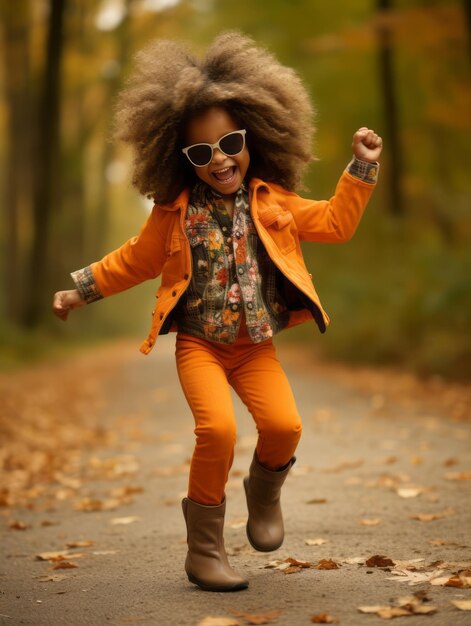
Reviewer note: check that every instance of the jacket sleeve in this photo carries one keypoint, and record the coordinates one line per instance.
(139, 259)
(335, 220)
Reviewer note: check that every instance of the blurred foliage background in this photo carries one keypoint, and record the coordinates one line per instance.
(398, 293)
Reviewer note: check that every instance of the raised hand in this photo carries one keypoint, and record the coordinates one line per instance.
(367, 145)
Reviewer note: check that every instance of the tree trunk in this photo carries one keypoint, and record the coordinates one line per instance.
(467, 15)
(47, 177)
(391, 125)
(18, 175)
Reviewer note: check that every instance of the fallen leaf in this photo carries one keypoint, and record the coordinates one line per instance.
(374, 608)
(414, 578)
(65, 565)
(409, 492)
(430, 517)
(315, 542)
(462, 605)
(461, 580)
(115, 466)
(53, 556)
(117, 521)
(304, 564)
(386, 612)
(379, 560)
(327, 564)
(317, 501)
(458, 476)
(93, 504)
(411, 564)
(85, 543)
(127, 490)
(17, 525)
(371, 522)
(103, 552)
(288, 566)
(218, 621)
(323, 618)
(438, 542)
(259, 618)
(450, 462)
(389, 460)
(51, 578)
(408, 605)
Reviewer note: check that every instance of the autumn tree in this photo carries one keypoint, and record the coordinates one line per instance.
(47, 178)
(391, 122)
(15, 19)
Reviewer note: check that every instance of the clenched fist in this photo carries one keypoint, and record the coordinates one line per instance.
(66, 301)
(367, 145)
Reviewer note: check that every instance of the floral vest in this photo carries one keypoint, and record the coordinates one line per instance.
(232, 273)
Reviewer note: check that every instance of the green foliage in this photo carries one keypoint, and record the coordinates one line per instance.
(397, 294)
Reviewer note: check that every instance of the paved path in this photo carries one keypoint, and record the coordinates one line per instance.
(357, 450)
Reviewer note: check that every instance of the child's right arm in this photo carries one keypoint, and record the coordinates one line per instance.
(66, 301)
(137, 260)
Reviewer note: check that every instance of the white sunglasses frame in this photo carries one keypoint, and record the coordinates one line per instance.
(242, 131)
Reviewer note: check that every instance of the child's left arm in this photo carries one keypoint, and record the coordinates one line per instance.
(336, 220)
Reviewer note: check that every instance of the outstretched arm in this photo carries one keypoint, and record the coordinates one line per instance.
(66, 301)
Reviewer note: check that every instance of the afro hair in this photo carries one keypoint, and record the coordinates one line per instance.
(170, 85)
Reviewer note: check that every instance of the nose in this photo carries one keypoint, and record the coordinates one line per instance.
(218, 156)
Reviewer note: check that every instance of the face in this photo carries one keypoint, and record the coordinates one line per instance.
(224, 174)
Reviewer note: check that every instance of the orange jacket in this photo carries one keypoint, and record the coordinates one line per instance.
(282, 219)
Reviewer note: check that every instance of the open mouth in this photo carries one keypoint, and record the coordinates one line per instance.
(225, 175)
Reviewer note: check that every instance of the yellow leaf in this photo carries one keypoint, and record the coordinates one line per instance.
(116, 521)
(462, 605)
(218, 621)
(371, 522)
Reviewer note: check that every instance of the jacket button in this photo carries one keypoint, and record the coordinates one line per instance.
(186, 276)
(174, 293)
(153, 313)
(161, 316)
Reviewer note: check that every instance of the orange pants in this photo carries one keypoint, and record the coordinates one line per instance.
(206, 371)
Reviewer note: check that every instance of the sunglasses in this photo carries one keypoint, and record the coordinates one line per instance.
(201, 154)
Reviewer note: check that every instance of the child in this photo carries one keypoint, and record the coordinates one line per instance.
(220, 145)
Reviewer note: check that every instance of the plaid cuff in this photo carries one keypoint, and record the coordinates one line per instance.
(86, 285)
(365, 171)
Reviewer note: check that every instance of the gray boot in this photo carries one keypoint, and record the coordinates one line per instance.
(265, 529)
(206, 563)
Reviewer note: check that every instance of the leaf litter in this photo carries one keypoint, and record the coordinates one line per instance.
(402, 607)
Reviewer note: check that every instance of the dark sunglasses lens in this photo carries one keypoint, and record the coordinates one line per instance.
(200, 154)
(232, 144)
